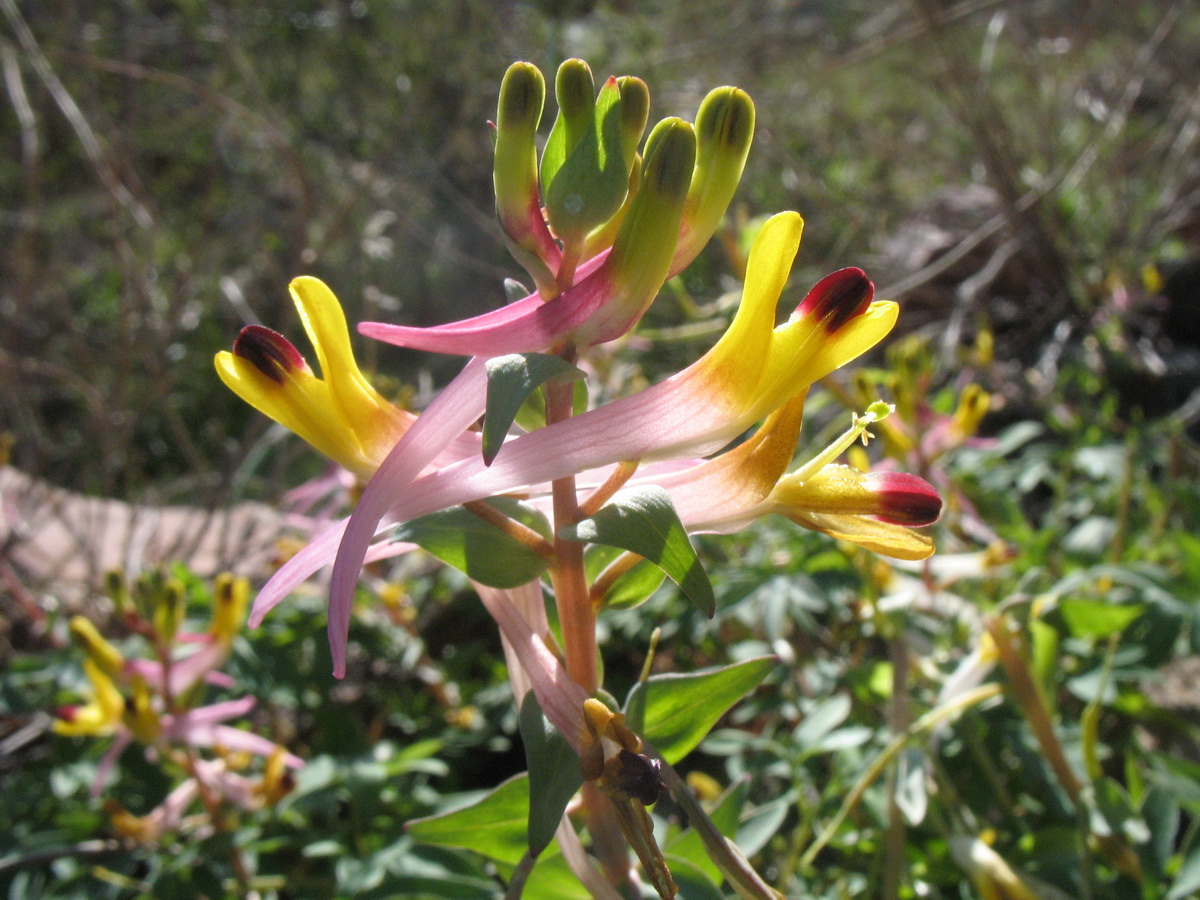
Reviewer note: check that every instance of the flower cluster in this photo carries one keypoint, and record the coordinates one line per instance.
(155, 702)
(599, 225)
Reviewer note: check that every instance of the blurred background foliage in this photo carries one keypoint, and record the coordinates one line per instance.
(1023, 176)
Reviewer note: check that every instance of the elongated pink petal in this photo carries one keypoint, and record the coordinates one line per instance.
(109, 761)
(526, 326)
(315, 555)
(220, 712)
(540, 326)
(527, 600)
(236, 739)
(450, 414)
(560, 698)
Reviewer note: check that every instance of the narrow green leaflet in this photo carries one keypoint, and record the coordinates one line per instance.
(510, 381)
(478, 548)
(553, 774)
(693, 883)
(675, 712)
(643, 521)
(494, 826)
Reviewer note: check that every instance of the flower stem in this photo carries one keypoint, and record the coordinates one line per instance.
(575, 613)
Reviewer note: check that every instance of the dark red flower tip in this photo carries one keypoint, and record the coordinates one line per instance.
(67, 713)
(839, 297)
(905, 499)
(268, 351)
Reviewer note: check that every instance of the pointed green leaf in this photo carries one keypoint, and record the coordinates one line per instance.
(478, 548)
(553, 774)
(694, 883)
(643, 521)
(675, 712)
(493, 826)
(510, 381)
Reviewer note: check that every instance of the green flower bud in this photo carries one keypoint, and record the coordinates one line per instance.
(645, 245)
(635, 109)
(724, 132)
(168, 612)
(576, 95)
(515, 175)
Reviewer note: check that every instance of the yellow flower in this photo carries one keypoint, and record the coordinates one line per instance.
(340, 413)
(101, 715)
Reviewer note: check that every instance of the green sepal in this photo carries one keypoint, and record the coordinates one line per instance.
(590, 185)
(493, 826)
(643, 521)
(510, 381)
(532, 414)
(477, 548)
(674, 712)
(514, 290)
(633, 588)
(553, 773)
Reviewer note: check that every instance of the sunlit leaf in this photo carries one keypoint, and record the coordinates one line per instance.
(643, 521)
(675, 712)
(1097, 619)
(494, 826)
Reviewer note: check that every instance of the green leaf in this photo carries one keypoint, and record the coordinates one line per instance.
(693, 883)
(643, 521)
(510, 381)
(726, 812)
(761, 825)
(630, 590)
(674, 712)
(1187, 882)
(809, 736)
(478, 548)
(553, 773)
(494, 826)
(552, 877)
(1097, 619)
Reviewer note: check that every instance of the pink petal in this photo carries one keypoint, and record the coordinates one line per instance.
(559, 696)
(525, 326)
(448, 416)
